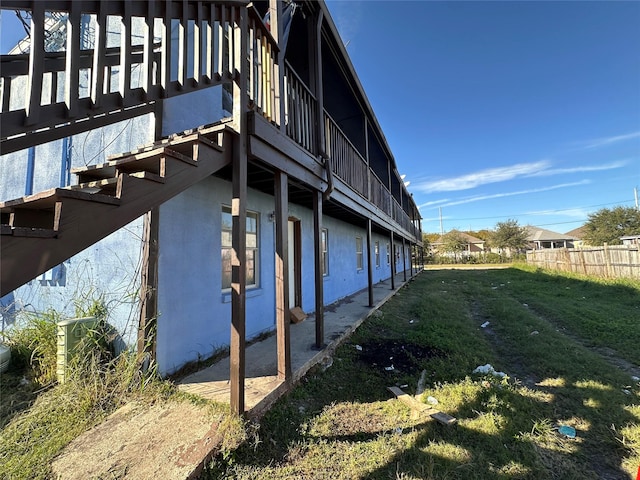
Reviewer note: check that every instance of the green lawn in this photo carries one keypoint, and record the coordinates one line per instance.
(564, 343)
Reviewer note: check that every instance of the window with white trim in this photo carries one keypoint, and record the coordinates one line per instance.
(252, 248)
(359, 259)
(376, 249)
(325, 252)
(388, 254)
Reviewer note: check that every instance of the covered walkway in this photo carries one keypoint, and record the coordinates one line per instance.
(262, 386)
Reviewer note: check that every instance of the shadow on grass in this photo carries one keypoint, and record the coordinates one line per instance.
(504, 430)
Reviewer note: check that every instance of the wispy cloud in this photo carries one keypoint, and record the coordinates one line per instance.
(482, 177)
(569, 212)
(580, 169)
(601, 142)
(478, 198)
(542, 168)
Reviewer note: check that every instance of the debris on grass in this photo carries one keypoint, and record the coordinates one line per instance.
(567, 431)
(390, 368)
(489, 370)
(484, 325)
(421, 380)
(432, 400)
(535, 332)
(359, 348)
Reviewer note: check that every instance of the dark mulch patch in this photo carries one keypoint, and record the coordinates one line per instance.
(404, 356)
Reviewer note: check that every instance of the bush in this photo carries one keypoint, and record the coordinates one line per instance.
(33, 343)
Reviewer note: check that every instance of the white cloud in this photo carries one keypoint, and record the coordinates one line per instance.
(483, 177)
(579, 169)
(478, 198)
(601, 142)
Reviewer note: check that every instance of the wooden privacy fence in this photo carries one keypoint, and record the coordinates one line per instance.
(615, 261)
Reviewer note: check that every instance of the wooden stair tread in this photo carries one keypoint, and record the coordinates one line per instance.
(48, 198)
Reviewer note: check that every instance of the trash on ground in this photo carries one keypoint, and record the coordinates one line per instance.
(432, 400)
(388, 369)
(567, 431)
(626, 392)
(411, 321)
(404, 386)
(485, 325)
(525, 305)
(359, 348)
(535, 332)
(494, 288)
(488, 369)
(635, 379)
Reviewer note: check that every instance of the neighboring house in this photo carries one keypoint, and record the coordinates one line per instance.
(197, 171)
(578, 236)
(630, 239)
(540, 238)
(473, 246)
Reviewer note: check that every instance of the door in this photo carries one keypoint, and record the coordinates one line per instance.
(295, 270)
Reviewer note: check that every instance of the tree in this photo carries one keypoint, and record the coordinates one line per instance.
(608, 225)
(454, 242)
(509, 235)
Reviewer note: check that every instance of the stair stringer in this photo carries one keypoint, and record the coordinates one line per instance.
(87, 218)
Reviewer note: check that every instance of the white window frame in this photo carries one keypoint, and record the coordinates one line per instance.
(376, 249)
(359, 255)
(252, 248)
(388, 253)
(324, 240)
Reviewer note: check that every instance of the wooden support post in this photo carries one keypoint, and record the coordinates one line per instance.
(282, 276)
(36, 65)
(369, 263)
(239, 228)
(319, 266)
(404, 260)
(149, 285)
(393, 263)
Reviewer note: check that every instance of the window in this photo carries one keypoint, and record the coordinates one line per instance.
(359, 253)
(388, 254)
(376, 249)
(325, 252)
(251, 248)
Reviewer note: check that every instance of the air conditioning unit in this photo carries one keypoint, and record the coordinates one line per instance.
(5, 357)
(70, 333)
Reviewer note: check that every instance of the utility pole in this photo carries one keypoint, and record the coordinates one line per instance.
(442, 231)
(635, 193)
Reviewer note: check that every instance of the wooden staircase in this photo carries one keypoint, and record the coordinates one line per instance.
(38, 232)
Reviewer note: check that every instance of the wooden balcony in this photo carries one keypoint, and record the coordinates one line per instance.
(178, 47)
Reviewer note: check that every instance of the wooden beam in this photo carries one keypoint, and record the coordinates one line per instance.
(420, 408)
(238, 232)
(393, 263)
(369, 263)
(149, 284)
(404, 260)
(36, 66)
(282, 275)
(319, 266)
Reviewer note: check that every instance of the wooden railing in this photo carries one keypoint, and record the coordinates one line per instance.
(346, 161)
(147, 51)
(380, 195)
(263, 72)
(300, 111)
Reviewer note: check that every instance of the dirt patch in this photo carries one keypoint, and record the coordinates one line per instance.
(137, 442)
(404, 356)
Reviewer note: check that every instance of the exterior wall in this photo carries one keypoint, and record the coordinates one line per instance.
(110, 268)
(193, 311)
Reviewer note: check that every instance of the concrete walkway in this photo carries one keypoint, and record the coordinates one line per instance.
(173, 441)
(262, 387)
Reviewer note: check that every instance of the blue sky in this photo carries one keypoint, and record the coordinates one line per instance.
(504, 110)
(498, 110)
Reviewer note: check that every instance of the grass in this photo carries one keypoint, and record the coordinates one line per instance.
(39, 417)
(546, 331)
